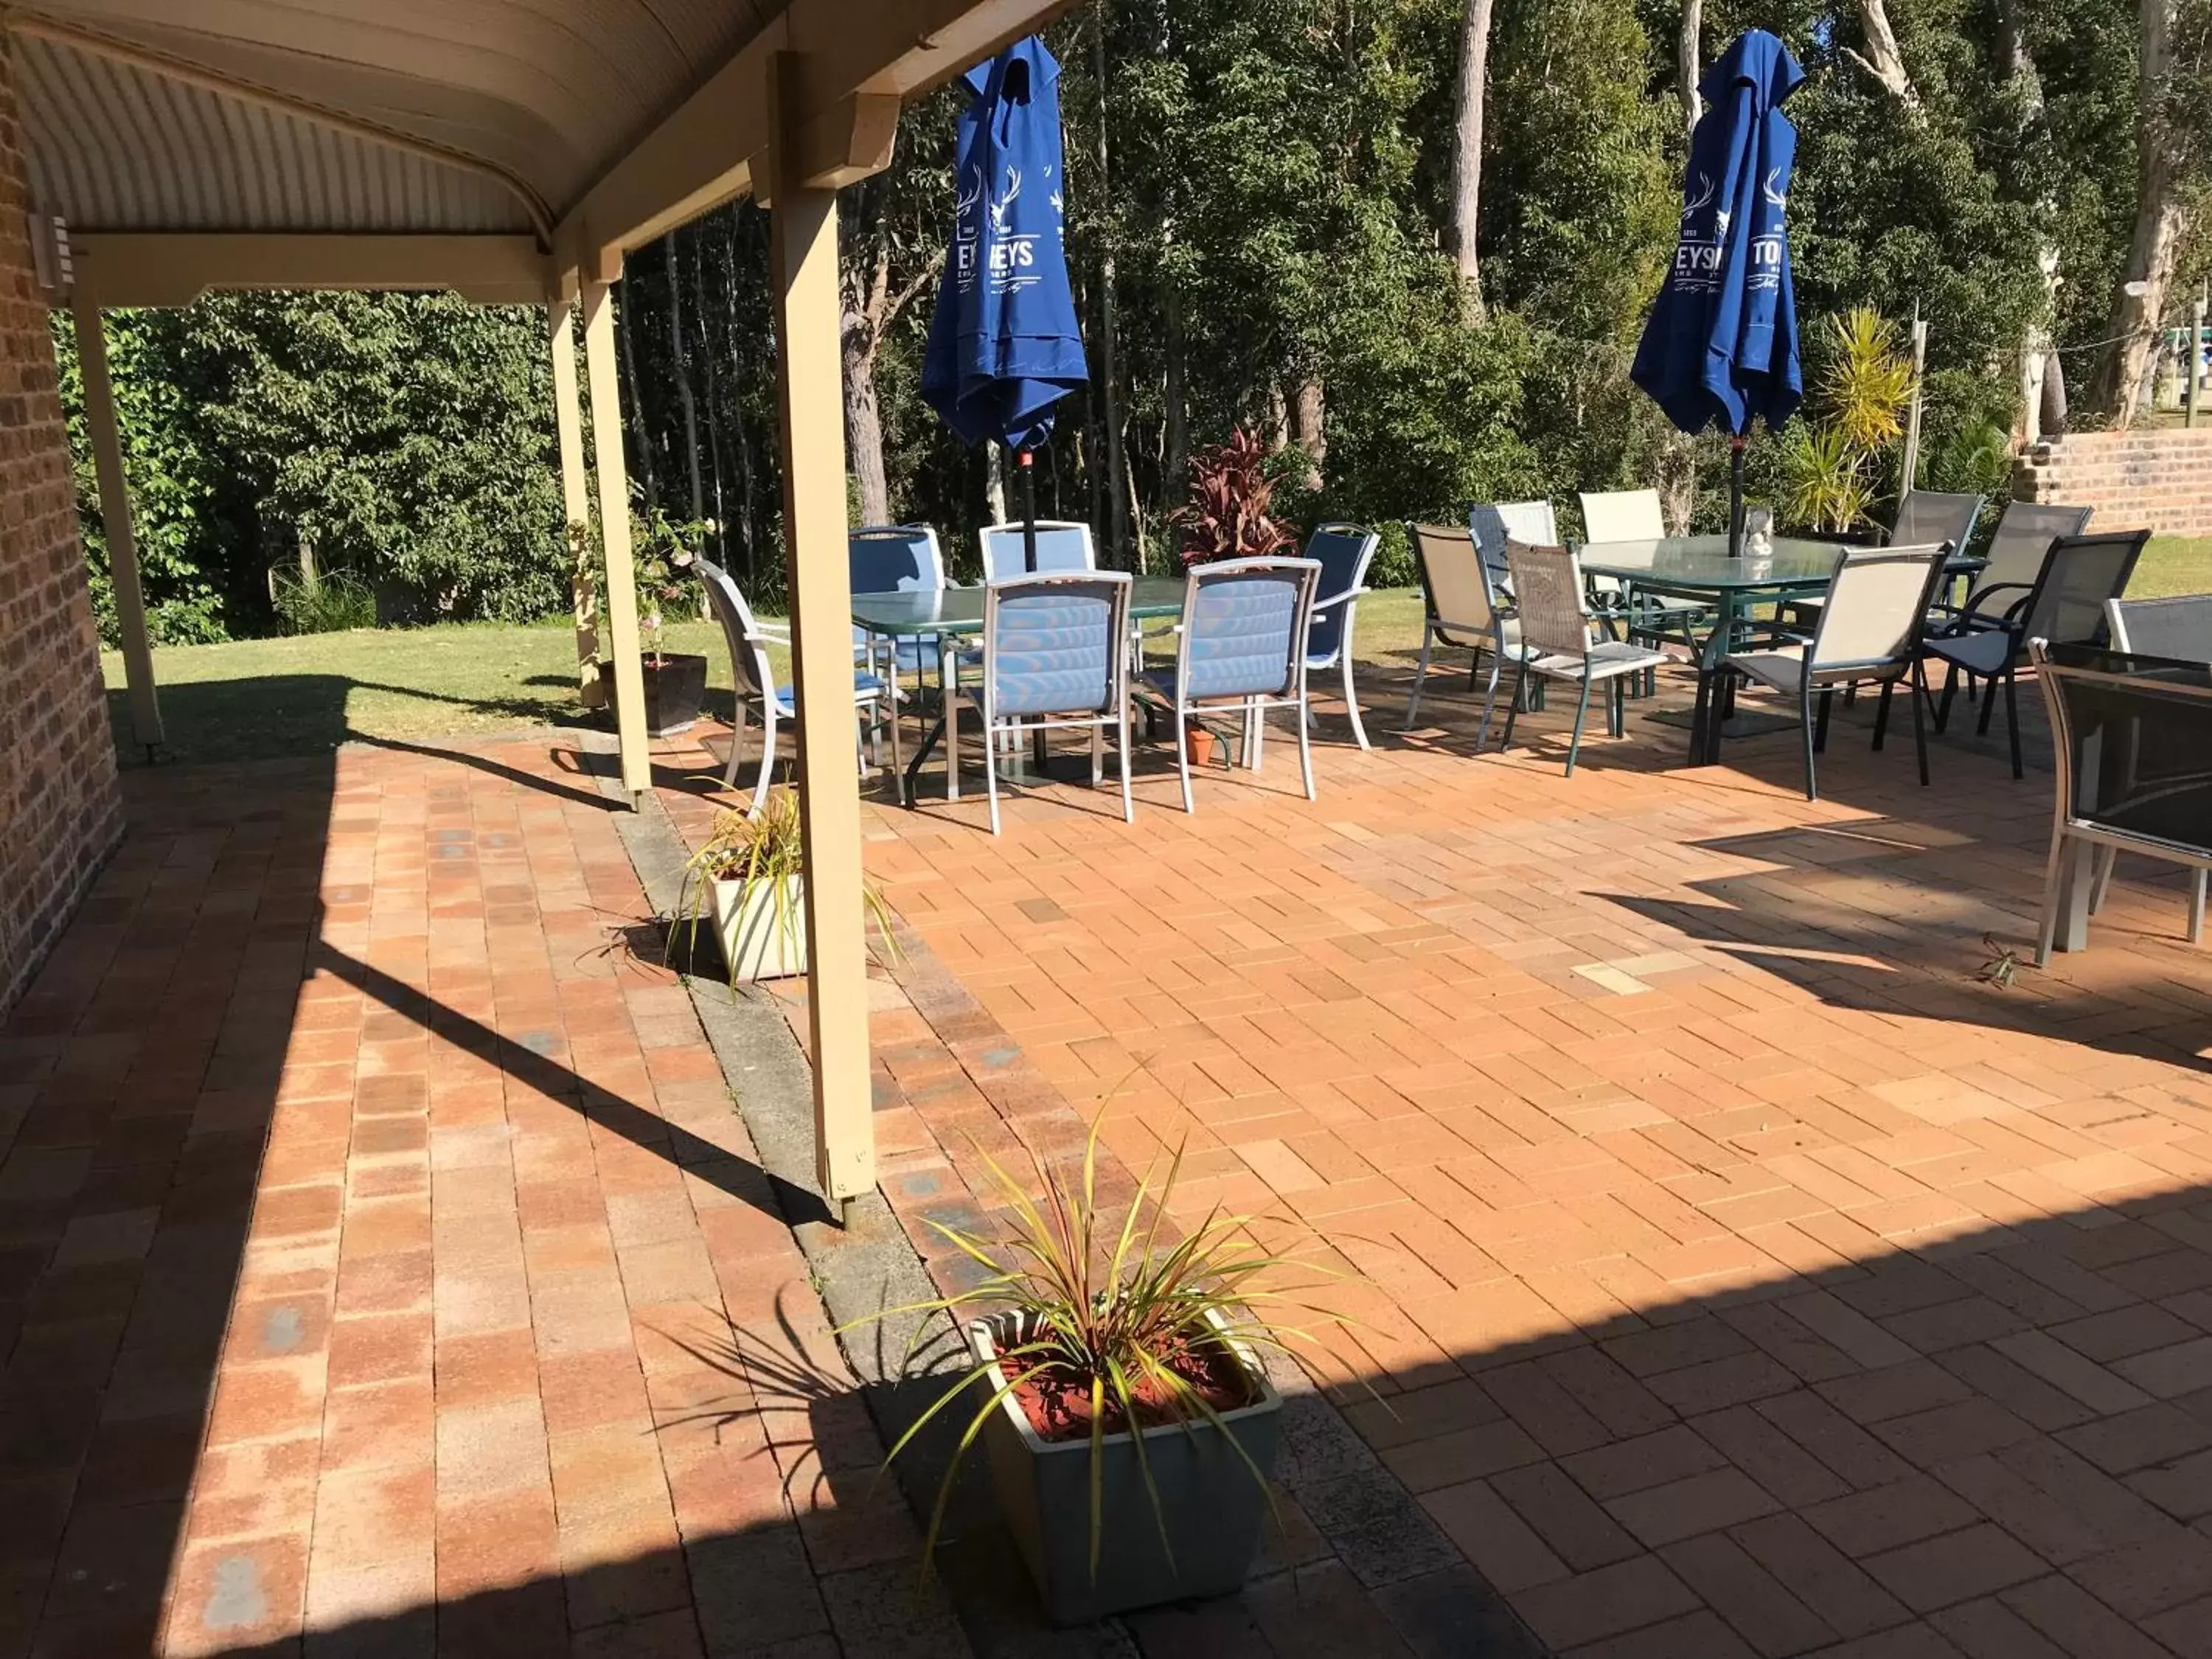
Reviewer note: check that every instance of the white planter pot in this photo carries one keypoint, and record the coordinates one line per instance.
(763, 936)
(1213, 1506)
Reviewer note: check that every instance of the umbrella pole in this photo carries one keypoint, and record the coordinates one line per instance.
(1735, 496)
(1029, 512)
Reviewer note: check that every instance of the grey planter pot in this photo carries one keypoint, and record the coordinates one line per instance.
(1214, 1509)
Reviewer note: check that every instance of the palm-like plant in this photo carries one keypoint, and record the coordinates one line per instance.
(1130, 1326)
(1828, 467)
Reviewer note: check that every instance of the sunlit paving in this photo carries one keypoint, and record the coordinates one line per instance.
(1014, 830)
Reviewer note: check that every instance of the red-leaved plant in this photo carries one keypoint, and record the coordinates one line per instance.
(1227, 516)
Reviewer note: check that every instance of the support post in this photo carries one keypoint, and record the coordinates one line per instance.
(614, 532)
(803, 275)
(2192, 359)
(115, 513)
(575, 500)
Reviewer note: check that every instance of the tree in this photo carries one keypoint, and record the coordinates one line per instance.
(2140, 305)
(1466, 152)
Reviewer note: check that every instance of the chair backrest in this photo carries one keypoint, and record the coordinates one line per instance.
(1622, 515)
(1493, 524)
(1054, 643)
(2079, 573)
(749, 666)
(1244, 626)
(894, 558)
(1548, 598)
(2178, 627)
(1344, 551)
(2132, 735)
(2017, 549)
(1061, 546)
(1877, 606)
(1456, 582)
(1926, 517)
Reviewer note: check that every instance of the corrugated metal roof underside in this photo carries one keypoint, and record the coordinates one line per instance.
(113, 146)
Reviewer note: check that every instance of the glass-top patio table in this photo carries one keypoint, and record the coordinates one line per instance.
(1701, 568)
(948, 613)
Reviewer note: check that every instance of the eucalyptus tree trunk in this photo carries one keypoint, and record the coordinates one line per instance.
(1689, 62)
(1460, 232)
(680, 360)
(1175, 457)
(2137, 315)
(1309, 429)
(641, 438)
(1109, 345)
(713, 386)
(2042, 375)
(1881, 60)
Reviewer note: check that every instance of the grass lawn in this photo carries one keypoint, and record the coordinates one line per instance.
(258, 698)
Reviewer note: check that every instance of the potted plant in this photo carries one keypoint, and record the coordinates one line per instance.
(1227, 516)
(1117, 1385)
(748, 875)
(666, 555)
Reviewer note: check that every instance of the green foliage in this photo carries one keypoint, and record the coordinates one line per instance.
(1832, 466)
(330, 604)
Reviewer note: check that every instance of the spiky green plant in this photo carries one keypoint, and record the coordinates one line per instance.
(763, 852)
(1824, 483)
(1107, 1319)
(1868, 383)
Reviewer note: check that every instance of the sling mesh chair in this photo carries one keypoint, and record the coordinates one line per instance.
(2134, 740)
(1925, 518)
(1868, 631)
(1460, 606)
(1060, 546)
(1054, 658)
(1240, 648)
(2180, 630)
(2065, 606)
(1344, 551)
(2015, 554)
(896, 558)
(1556, 622)
(1634, 515)
(1493, 524)
(756, 690)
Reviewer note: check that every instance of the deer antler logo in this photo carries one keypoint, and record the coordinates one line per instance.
(999, 207)
(970, 196)
(1779, 198)
(1700, 198)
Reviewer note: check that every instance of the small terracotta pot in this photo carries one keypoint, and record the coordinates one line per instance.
(1198, 745)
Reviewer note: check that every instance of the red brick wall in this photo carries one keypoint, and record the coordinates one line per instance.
(60, 810)
(2161, 478)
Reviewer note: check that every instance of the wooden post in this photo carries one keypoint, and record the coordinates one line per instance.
(2193, 359)
(803, 275)
(614, 532)
(115, 512)
(575, 498)
(1911, 468)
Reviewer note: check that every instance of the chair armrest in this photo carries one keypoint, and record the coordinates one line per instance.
(1339, 598)
(762, 632)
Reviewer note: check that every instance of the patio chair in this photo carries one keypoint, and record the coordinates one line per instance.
(1634, 515)
(1925, 518)
(1870, 631)
(1556, 642)
(2015, 555)
(1061, 545)
(2178, 629)
(2065, 606)
(1493, 524)
(756, 690)
(2134, 741)
(1241, 647)
(1460, 604)
(901, 558)
(1053, 659)
(1344, 551)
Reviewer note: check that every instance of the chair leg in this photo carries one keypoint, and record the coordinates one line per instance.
(1988, 708)
(952, 744)
(1582, 714)
(2012, 720)
(1128, 801)
(767, 756)
(991, 773)
(1616, 711)
(1950, 690)
(1305, 746)
(736, 744)
(1182, 762)
(1920, 718)
(1421, 673)
(1352, 699)
(1881, 712)
(2053, 881)
(1097, 755)
(1512, 709)
(2196, 890)
(1805, 721)
(1820, 728)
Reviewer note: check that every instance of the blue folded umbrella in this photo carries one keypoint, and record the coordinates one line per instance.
(1720, 346)
(1004, 346)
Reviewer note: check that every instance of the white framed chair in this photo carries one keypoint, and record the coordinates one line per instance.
(1634, 515)
(2179, 629)
(1868, 631)
(1622, 515)
(1493, 524)
(896, 558)
(1061, 545)
(1344, 551)
(1558, 640)
(757, 693)
(1241, 649)
(1053, 659)
(1460, 609)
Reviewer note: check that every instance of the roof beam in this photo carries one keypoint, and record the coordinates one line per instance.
(853, 55)
(175, 268)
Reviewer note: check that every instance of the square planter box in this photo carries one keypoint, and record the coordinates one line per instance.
(763, 936)
(1214, 1508)
(675, 691)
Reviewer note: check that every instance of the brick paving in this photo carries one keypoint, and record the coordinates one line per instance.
(1742, 1275)
(384, 1270)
